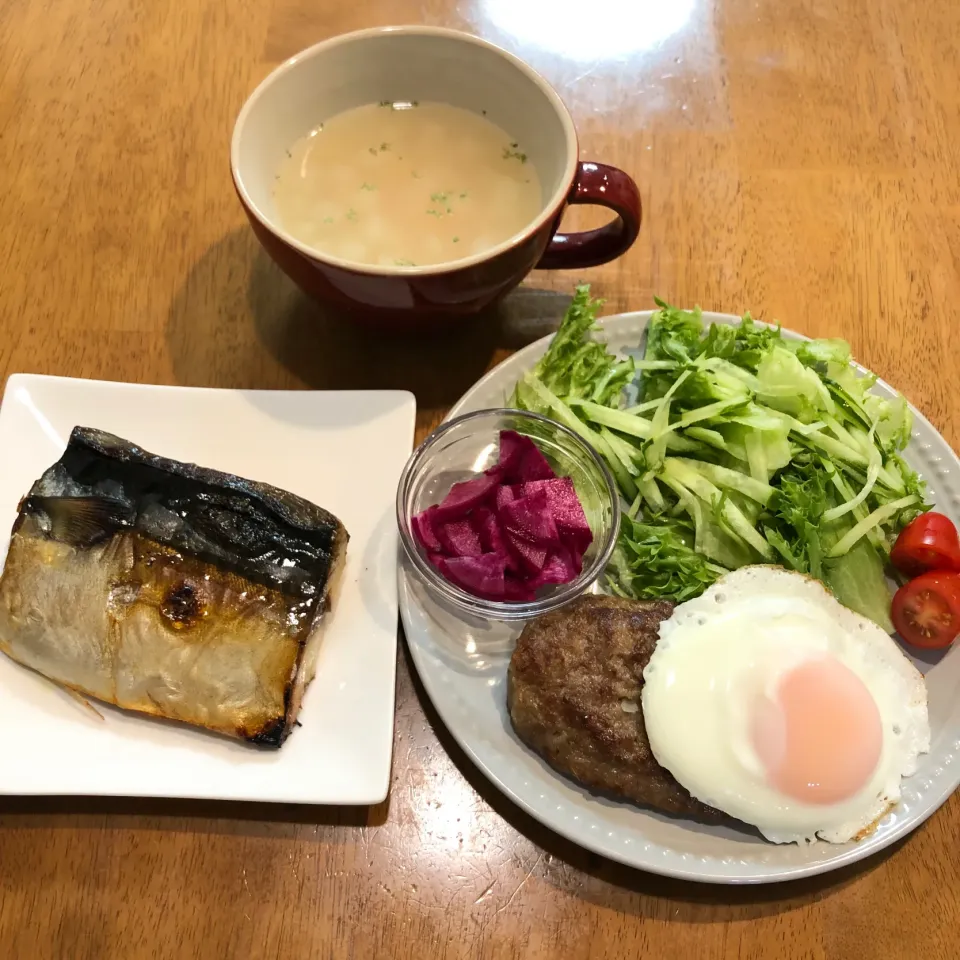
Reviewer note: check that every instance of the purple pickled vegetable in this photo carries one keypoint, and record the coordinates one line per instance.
(509, 531)
(467, 496)
(531, 556)
(484, 521)
(482, 576)
(512, 448)
(504, 496)
(423, 530)
(459, 539)
(559, 568)
(564, 506)
(529, 517)
(521, 459)
(487, 525)
(534, 466)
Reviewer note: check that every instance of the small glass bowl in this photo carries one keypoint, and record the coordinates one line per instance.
(464, 447)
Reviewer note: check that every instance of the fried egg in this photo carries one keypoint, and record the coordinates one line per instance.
(769, 700)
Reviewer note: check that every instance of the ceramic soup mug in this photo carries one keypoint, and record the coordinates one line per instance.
(427, 64)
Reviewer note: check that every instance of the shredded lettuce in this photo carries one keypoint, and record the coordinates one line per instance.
(653, 561)
(737, 446)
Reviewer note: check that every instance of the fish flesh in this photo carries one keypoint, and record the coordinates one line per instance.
(170, 589)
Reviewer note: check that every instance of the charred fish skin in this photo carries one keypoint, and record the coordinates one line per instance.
(170, 589)
(258, 530)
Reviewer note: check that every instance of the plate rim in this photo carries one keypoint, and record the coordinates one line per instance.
(14, 378)
(587, 841)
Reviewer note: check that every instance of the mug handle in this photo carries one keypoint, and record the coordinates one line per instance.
(604, 186)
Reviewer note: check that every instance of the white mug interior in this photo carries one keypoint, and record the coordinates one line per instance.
(395, 64)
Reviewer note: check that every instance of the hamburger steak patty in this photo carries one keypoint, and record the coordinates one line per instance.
(573, 692)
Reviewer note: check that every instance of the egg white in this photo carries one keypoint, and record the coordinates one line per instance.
(718, 653)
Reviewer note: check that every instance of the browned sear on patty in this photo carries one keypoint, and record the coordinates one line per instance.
(573, 693)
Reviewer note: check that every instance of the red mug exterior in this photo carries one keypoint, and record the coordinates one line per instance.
(604, 186)
(427, 296)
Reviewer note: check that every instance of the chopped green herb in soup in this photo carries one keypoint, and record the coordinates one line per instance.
(417, 184)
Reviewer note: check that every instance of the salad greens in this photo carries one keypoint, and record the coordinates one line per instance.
(733, 445)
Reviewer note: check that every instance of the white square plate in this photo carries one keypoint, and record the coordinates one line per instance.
(344, 450)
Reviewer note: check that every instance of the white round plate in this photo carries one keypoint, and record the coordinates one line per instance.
(464, 666)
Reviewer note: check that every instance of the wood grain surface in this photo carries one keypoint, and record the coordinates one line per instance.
(797, 158)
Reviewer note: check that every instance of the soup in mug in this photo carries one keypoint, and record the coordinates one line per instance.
(406, 184)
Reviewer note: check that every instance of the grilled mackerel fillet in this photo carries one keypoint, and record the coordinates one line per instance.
(170, 589)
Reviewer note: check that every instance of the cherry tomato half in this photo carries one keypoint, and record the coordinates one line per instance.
(928, 543)
(926, 611)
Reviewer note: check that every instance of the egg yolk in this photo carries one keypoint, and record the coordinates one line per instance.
(820, 739)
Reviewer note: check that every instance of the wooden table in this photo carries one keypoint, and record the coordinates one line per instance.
(796, 158)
